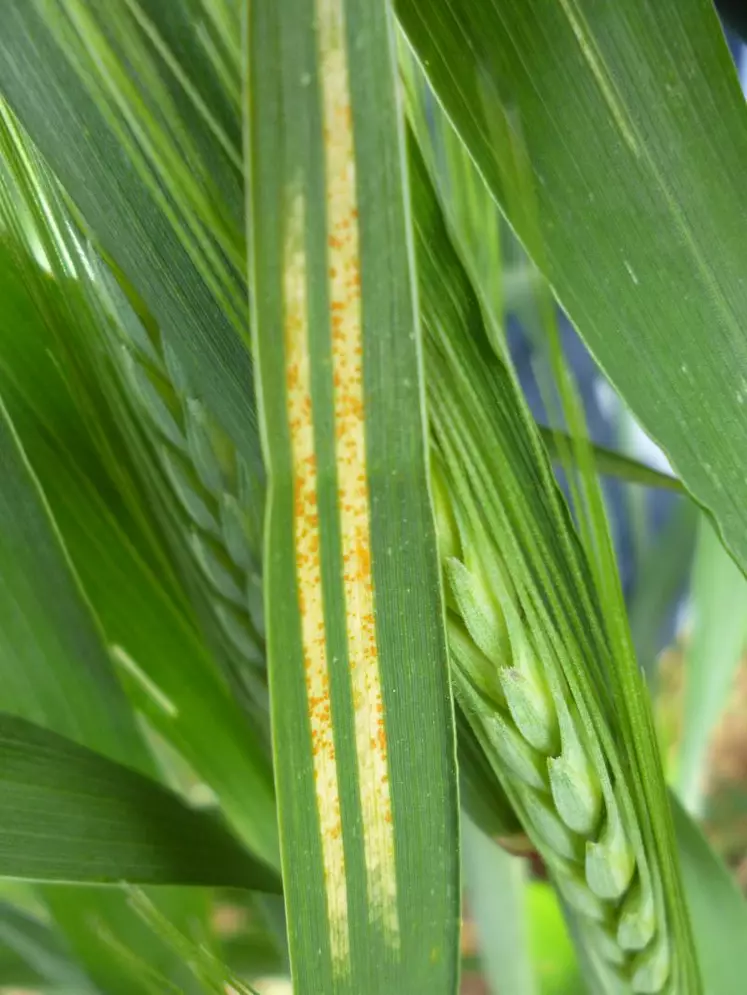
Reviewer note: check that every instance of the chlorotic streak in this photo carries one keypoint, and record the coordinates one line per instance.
(309, 582)
(343, 261)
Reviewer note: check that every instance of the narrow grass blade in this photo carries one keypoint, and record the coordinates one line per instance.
(362, 716)
(56, 671)
(495, 884)
(719, 603)
(70, 815)
(470, 211)
(635, 133)
(162, 198)
(193, 475)
(163, 662)
(207, 973)
(89, 915)
(610, 463)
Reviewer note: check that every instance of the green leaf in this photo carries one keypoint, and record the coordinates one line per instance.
(142, 164)
(717, 909)
(634, 126)
(470, 212)
(89, 916)
(154, 192)
(719, 603)
(55, 669)
(71, 815)
(56, 673)
(204, 968)
(163, 663)
(611, 463)
(362, 716)
(101, 481)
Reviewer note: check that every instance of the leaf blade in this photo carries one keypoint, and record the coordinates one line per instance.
(335, 274)
(597, 90)
(717, 909)
(73, 816)
(37, 577)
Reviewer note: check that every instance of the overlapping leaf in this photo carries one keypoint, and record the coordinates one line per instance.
(58, 674)
(98, 477)
(635, 133)
(73, 816)
(134, 142)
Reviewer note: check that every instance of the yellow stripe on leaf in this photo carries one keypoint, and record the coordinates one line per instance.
(343, 258)
(309, 582)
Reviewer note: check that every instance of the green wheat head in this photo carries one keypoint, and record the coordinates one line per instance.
(216, 500)
(572, 806)
(538, 664)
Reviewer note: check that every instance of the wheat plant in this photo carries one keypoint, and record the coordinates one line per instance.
(308, 628)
